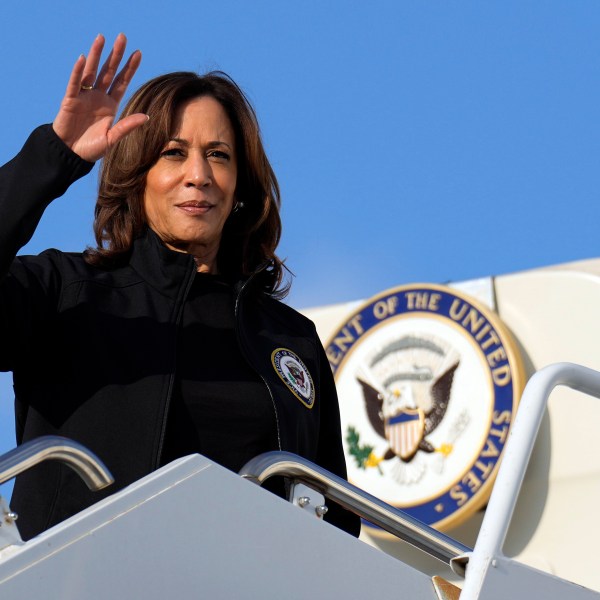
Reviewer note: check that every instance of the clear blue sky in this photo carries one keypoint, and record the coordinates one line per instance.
(413, 141)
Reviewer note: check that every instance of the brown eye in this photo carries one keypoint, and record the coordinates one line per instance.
(171, 152)
(219, 154)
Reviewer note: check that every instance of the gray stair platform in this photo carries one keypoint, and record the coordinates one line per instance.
(194, 529)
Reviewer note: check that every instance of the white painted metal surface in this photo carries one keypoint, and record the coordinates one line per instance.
(9, 532)
(194, 529)
(509, 579)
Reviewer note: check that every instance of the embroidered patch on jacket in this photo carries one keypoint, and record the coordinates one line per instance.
(294, 374)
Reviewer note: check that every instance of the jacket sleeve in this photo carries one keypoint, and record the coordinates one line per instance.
(42, 171)
(330, 451)
(39, 173)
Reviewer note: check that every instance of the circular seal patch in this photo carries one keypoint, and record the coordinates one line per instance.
(294, 374)
(428, 382)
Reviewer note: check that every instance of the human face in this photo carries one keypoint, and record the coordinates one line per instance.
(190, 189)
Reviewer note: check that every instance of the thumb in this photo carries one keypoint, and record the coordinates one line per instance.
(125, 126)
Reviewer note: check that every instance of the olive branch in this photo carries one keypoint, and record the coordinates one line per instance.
(363, 455)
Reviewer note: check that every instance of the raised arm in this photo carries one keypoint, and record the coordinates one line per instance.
(55, 156)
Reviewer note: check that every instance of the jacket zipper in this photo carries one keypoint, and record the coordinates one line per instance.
(243, 349)
(178, 318)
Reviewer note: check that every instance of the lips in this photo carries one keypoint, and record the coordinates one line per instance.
(195, 207)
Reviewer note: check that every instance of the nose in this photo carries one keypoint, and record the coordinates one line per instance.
(198, 172)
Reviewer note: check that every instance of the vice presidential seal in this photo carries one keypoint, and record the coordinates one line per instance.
(294, 374)
(428, 382)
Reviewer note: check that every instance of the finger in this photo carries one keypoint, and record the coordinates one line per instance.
(93, 60)
(123, 79)
(110, 66)
(125, 126)
(74, 85)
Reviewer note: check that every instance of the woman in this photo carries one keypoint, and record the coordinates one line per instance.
(168, 338)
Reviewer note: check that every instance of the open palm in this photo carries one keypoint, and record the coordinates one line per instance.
(87, 112)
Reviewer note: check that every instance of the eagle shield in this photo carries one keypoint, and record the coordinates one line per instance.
(404, 431)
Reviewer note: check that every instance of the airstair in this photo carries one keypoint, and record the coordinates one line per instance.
(194, 529)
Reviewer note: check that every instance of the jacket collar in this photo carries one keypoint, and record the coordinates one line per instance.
(164, 269)
(167, 270)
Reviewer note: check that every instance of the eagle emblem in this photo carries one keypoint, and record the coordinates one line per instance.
(406, 388)
(428, 380)
(294, 374)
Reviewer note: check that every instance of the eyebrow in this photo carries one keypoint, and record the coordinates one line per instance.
(212, 144)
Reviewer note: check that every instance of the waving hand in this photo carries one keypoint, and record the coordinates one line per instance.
(87, 112)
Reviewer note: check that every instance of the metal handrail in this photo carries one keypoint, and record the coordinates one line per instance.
(53, 447)
(389, 518)
(521, 439)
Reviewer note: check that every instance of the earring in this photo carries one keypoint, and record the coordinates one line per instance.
(238, 206)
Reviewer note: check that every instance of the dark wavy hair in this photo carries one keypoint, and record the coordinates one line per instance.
(250, 235)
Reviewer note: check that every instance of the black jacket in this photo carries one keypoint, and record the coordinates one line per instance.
(93, 351)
